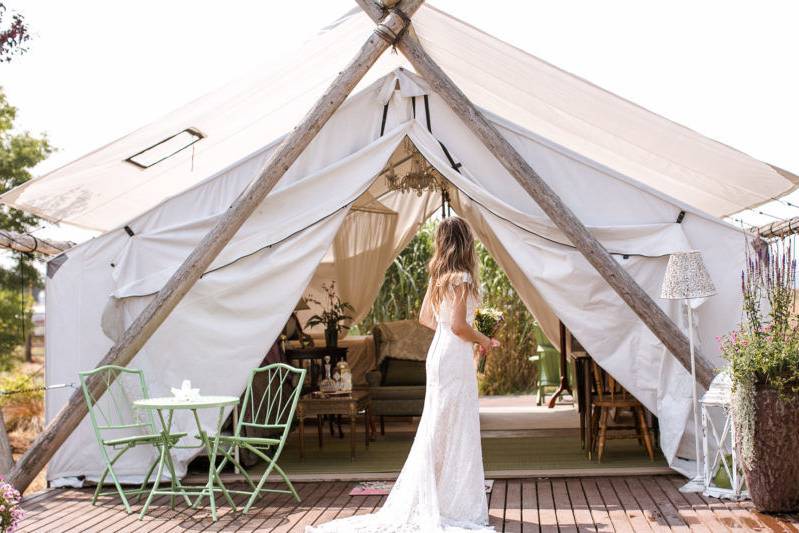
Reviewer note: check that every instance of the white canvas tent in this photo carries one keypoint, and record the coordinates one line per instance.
(625, 172)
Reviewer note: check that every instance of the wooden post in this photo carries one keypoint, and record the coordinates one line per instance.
(23, 242)
(209, 247)
(619, 279)
(780, 229)
(6, 459)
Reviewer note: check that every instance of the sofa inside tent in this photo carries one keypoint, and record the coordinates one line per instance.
(645, 187)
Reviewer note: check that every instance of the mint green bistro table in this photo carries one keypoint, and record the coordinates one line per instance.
(214, 484)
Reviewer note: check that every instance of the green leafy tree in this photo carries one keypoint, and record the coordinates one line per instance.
(15, 319)
(19, 153)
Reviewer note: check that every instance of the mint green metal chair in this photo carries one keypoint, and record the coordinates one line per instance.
(119, 427)
(273, 413)
(547, 358)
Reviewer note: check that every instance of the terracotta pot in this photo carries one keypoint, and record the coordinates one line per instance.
(772, 476)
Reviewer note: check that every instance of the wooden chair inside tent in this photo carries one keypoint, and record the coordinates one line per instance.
(611, 396)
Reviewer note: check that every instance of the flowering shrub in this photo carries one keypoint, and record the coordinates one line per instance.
(10, 512)
(767, 357)
(764, 352)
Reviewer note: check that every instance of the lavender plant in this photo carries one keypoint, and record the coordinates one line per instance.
(764, 351)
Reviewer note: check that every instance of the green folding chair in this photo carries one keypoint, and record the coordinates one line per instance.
(119, 427)
(547, 358)
(272, 414)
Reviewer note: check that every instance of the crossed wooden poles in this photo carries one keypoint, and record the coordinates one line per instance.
(393, 28)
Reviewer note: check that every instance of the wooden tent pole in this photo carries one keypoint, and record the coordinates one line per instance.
(618, 278)
(6, 457)
(24, 242)
(779, 229)
(209, 247)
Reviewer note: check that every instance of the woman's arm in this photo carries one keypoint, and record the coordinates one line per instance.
(426, 316)
(461, 327)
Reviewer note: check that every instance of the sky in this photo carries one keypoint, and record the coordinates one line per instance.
(97, 70)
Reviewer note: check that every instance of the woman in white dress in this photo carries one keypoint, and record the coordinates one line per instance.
(441, 487)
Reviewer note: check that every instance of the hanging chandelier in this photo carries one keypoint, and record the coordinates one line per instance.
(422, 176)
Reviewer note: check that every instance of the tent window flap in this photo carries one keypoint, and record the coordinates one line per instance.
(166, 148)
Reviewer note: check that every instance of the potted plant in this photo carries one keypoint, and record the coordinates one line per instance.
(334, 313)
(764, 366)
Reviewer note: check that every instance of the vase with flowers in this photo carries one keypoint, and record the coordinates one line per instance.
(764, 366)
(333, 315)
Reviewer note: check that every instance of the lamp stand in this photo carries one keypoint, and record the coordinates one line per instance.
(697, 484)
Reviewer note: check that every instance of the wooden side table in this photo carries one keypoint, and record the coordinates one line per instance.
(349, 405)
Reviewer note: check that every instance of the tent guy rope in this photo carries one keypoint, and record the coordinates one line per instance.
(209, 247)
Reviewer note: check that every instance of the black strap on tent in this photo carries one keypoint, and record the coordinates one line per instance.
(427, 113)
(455, 166)
(413, 105)
(385, 115)
(129, 231)
(680, 217)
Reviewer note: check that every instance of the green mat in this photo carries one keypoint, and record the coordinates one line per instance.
(388, 453)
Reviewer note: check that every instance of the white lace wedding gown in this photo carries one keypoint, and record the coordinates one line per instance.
(441, 487)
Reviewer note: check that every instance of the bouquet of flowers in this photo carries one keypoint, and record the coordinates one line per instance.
(10, 512)
(487, 320)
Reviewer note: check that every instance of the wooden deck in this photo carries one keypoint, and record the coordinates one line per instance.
(628, 504)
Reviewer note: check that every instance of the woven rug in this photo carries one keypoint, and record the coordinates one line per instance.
(382, 488)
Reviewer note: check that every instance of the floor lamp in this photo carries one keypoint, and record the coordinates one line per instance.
(687, 278)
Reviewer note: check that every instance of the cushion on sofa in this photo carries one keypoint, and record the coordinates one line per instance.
(402, 339)
(398, 372)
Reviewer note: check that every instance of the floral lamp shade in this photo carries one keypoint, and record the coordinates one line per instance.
(687, 277)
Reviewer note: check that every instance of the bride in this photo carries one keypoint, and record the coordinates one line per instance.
(441, 487)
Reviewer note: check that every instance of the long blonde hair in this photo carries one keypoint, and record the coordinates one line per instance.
(454, 256)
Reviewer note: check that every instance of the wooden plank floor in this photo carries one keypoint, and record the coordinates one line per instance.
(628, 504)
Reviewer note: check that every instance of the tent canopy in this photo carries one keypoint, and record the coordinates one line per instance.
(332, 214)
(103, 190)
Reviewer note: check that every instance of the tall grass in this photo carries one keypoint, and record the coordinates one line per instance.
(405, 283)
(24, 411)
(507, 370)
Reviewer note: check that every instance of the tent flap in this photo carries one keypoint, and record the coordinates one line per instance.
(625, 172)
